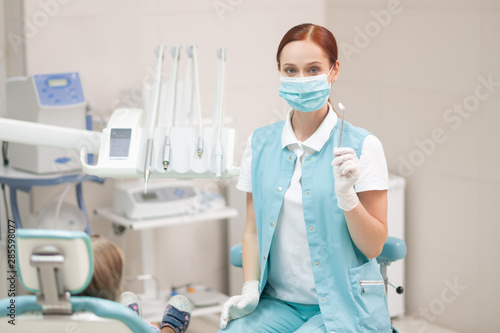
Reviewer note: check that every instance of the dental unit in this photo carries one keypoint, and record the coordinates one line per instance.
(164, 147)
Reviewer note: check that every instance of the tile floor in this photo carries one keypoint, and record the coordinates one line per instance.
(210, 324)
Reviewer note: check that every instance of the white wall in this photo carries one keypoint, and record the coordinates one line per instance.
(111, 44)
(3, 58)
(14, 38)
(399, 81)
(3, 262)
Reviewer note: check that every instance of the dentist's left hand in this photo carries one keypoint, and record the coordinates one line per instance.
(241, 305)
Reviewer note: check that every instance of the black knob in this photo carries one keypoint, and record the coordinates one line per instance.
(400, 290)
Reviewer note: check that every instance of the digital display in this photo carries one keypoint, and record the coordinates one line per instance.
(57, 82)
(119, 142)
(149, 196)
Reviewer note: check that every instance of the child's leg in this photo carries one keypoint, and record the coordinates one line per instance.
(165, 329)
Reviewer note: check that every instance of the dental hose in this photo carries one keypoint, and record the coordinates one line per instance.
(59, 204)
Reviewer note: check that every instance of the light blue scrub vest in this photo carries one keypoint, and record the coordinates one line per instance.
(348, 304)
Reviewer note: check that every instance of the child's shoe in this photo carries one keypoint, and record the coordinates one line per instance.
(177, 314)
(130, 300)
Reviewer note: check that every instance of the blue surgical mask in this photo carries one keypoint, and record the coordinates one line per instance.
(306, 94)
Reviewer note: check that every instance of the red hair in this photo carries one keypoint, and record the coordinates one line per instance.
(316, 33)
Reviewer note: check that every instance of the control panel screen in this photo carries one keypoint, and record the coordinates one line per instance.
(59, 89)
(120, 142)
(57, 82)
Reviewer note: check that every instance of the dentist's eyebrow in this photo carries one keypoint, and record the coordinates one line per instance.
(308, 64)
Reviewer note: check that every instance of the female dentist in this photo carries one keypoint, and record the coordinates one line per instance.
(316, 213)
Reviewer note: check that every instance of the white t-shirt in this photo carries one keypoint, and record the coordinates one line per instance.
(290, 276)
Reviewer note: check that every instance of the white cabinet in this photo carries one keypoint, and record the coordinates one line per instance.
(396, 223)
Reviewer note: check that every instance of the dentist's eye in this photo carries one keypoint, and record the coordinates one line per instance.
(290, 71)
(314, 70)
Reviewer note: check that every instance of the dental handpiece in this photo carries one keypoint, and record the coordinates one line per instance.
(200, 147)
(147, 163)
(341, 106)
(166, 153)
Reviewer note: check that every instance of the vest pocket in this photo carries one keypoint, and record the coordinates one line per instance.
(367, 283)
(369, 295)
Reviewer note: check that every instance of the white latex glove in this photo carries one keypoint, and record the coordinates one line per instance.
(346, 170)
(241, 305)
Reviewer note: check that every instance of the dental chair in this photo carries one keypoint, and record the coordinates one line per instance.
(55, 265)
(394, 249)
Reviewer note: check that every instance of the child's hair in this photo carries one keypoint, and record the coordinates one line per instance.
(108, 268)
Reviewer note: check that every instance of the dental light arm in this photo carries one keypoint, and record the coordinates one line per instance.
(51, 136)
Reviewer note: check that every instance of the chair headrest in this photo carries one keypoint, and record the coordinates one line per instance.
(75, 247)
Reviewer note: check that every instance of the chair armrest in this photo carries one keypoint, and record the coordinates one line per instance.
(100, 307)
(394, 249)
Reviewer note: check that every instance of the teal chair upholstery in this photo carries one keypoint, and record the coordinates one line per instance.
(394, 249)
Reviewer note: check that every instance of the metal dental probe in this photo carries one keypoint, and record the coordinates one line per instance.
(341, 106)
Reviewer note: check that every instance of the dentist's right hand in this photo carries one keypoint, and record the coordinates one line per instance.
(241, 305)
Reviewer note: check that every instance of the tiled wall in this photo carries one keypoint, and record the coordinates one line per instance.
(111, 44)
(406, 68)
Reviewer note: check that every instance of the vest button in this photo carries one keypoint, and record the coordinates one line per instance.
(272, 224)
(324, 299)
(264, 258)
(308, 159)
(308, 192)
(290, 157)
(317, 263)
(311, 228)
(279, 189)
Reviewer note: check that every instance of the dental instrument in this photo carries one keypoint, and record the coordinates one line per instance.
(341, 106)
(171, 94)
(192, 53)
(151, 114)
(187, 92)
(221, 54)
